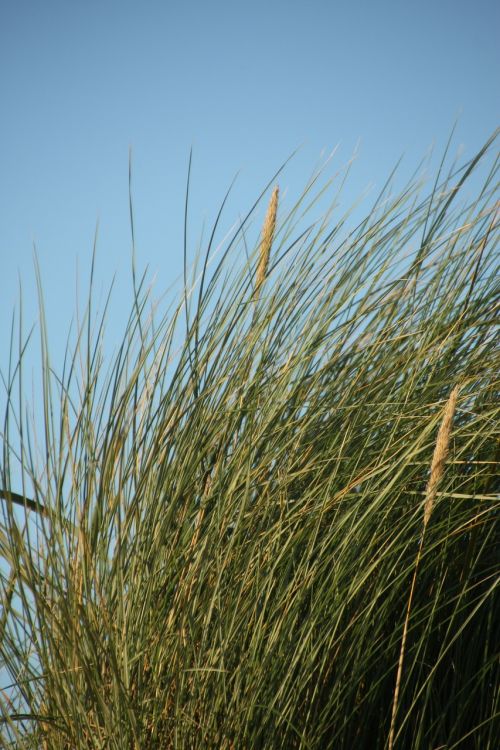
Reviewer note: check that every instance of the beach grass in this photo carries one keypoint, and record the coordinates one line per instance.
(269, 518)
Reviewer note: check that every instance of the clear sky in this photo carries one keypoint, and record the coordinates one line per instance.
(244, 84)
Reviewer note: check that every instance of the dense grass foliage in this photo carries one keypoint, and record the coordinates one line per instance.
(215, 537)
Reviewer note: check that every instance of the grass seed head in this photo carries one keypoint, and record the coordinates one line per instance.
(266, 240)
(440, 454)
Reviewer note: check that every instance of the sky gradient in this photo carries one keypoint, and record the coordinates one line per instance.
(242, 84)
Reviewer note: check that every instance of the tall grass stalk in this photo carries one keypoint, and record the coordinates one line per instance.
(211, 537)
(436, 475)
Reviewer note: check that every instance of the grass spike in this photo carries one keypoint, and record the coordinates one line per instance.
(267, 237)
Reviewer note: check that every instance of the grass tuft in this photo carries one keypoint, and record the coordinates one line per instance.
(214, 536)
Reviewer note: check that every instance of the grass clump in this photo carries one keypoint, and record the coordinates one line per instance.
(269, 520)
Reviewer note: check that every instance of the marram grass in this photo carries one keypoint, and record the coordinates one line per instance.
(270, 519)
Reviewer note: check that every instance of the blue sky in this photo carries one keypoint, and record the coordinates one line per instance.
(244, 84)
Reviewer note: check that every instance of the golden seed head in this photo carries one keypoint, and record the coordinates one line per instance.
(440, 454)
(266, 240)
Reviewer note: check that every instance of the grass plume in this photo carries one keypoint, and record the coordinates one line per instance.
(266, 241)
(440, 454)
